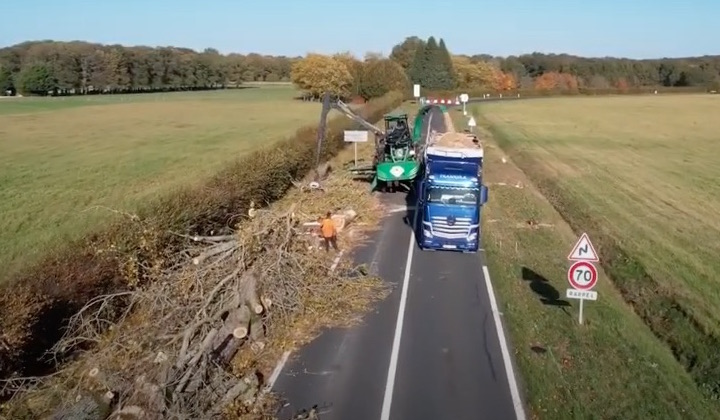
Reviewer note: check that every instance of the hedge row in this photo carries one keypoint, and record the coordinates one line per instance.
(35, 306)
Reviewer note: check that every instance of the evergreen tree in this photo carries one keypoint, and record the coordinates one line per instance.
(448, 72)
(6, 80)
(417, 73)
(432, 66)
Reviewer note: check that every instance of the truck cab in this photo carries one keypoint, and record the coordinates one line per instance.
(451, 196)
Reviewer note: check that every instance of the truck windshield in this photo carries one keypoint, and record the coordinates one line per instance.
(456, 196)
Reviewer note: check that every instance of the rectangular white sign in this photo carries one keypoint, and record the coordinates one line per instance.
(416, 90)
(356, 136)
(581, 294)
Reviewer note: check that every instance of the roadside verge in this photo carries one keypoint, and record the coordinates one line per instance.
(610, 367)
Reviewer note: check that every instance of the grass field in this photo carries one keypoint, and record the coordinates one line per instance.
(636, 173)
(60, 157)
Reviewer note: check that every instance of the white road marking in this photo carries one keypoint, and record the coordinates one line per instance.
(392, 369)
(336, 261)
(509, 371)
(399, 209)
(276, 372)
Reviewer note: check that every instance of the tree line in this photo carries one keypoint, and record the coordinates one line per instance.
(58, 68)
(538, 71)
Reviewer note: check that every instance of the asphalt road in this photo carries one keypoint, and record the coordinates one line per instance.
(431, 350)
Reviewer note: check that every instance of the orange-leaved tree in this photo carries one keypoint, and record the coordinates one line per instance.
(318, 73)
(504, 81)
(622, 85)
(556, 81)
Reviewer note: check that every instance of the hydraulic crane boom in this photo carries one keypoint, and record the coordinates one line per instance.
(342, 107)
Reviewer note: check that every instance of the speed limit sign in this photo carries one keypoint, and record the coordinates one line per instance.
(582, 275)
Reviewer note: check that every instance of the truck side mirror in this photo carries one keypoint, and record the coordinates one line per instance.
(483, 194)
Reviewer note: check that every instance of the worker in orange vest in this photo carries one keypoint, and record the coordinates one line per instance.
(328, 231)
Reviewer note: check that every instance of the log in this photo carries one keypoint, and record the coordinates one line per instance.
(232, 334)
(229, 351)
(343, 219)
(239, 317)
(248, 292)
(257, 334)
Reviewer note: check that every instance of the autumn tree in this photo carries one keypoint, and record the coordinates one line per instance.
(556, 81)
(355, 67)
(381, 76)
(622, 85)
(317, 73)
(472, 75)
(505, 81)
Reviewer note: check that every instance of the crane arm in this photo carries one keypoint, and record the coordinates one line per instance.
(342, 107)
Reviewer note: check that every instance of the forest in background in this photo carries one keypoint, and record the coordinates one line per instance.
(64, 68)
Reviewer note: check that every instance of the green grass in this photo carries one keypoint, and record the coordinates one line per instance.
(62, 157)
(633, 172)
(261, 92)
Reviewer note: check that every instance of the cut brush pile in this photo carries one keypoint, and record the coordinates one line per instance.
(199, 335)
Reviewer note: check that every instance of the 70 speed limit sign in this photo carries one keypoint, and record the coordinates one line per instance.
(582, 275)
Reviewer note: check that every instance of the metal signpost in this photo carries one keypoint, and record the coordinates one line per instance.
(464, 98)
(472, 124)
(582, 274)
(355, 137)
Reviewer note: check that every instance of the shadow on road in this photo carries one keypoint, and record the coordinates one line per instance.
(410, 205)
(548, 294)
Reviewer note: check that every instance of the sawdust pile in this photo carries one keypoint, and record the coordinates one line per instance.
(455, 140)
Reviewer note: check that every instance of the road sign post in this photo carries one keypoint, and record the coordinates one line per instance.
(355, 137)
(582, 274)
(472, 124)
(464, 98)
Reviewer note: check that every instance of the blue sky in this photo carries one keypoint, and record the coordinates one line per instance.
(630, 28)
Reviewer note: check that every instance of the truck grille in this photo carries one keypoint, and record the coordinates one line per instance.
(459, 230)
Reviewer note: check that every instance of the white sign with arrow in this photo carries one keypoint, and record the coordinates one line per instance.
(582, 274)
(583, 250)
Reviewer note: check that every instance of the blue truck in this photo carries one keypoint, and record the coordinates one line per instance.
(451, 194)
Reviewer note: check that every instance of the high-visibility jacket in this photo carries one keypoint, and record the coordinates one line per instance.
(327, 227)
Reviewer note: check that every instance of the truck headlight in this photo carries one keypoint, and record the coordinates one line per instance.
(473, 235)
(427, 229)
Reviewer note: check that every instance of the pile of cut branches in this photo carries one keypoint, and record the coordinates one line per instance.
(191, 343)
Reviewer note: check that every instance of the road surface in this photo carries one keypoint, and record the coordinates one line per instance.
(431, 350)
